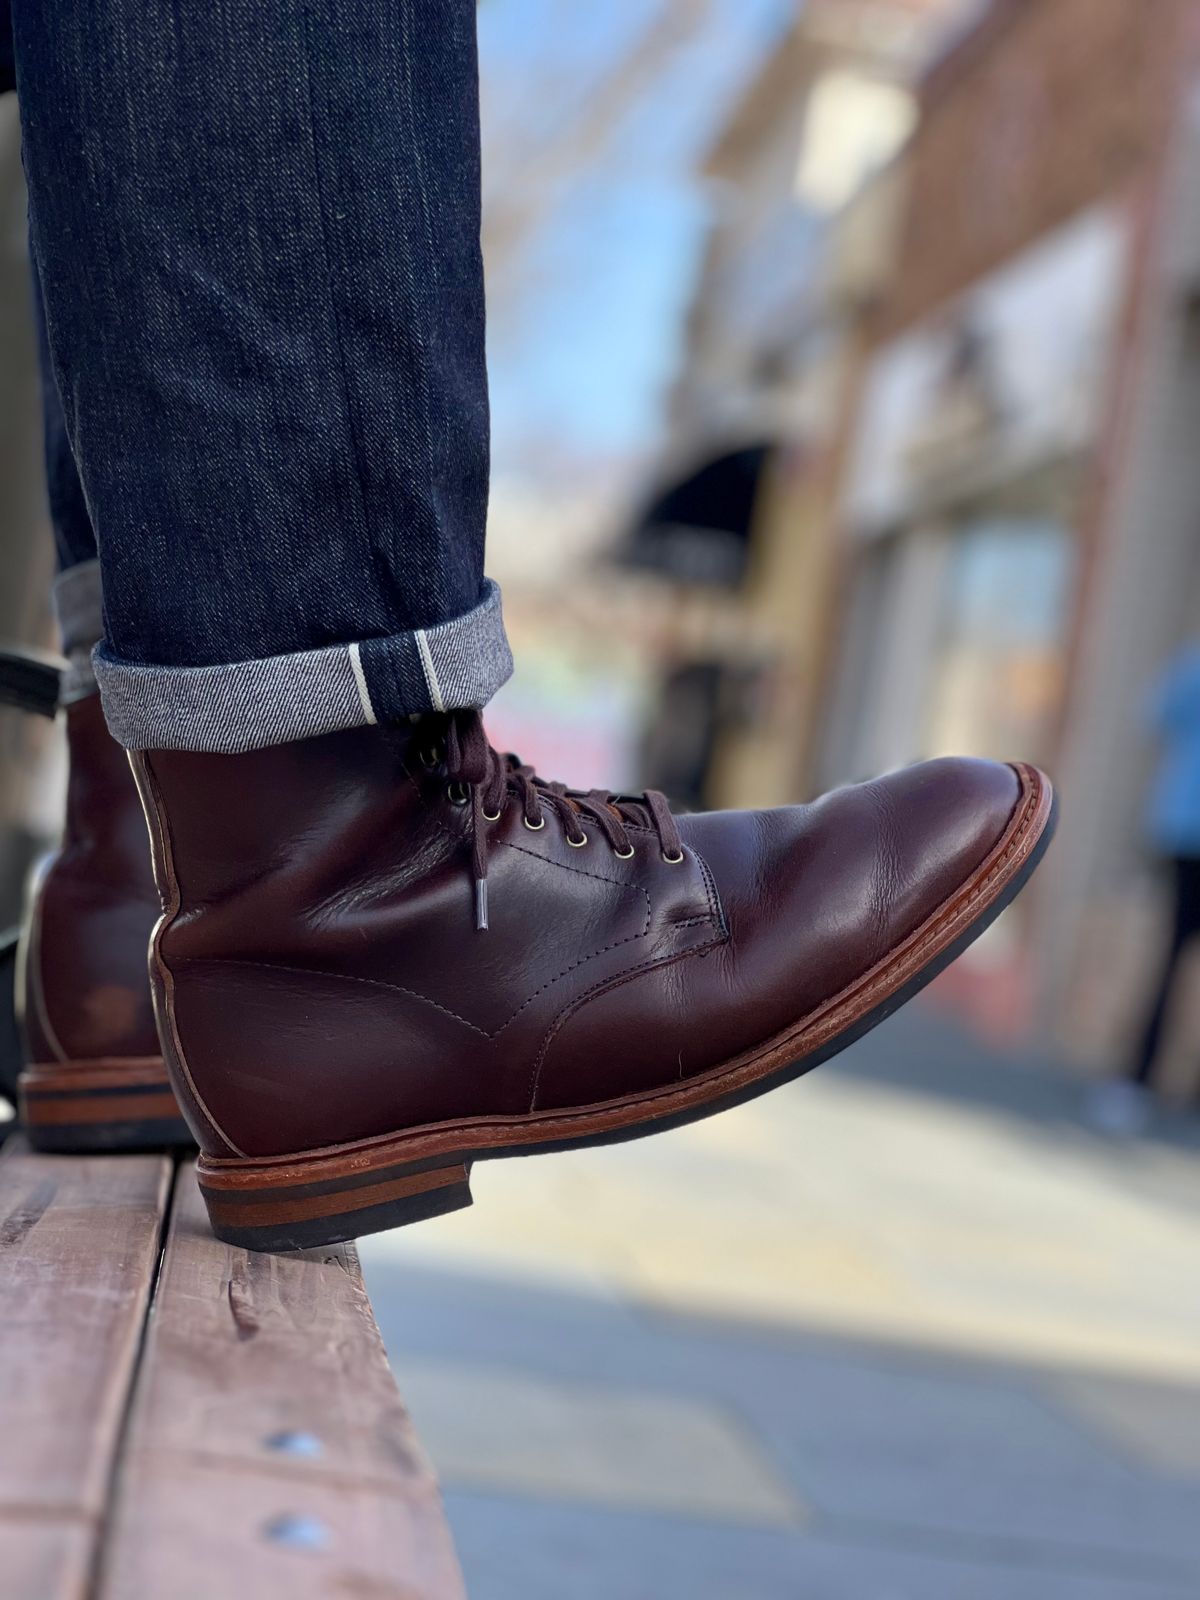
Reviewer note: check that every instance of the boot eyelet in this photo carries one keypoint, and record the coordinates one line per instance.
(623, 855)
(492, 816)
(534, 827)
(672, 861)
(431, 759)
(577, 844)
(457, 794)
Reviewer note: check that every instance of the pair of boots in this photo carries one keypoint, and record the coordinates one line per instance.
(381, 955)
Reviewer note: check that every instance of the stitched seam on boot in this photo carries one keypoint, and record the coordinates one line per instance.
(715, 908)
(716, 916)
(156, 816)
(33, 971)
(29, 965)
(615, 982)
(199, 964)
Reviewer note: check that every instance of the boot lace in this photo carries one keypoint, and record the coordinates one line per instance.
(486, 781)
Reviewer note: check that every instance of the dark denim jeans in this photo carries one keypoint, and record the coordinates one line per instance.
(78, 592)
(256, 226)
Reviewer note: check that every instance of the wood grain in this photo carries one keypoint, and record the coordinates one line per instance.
(268, 1451)
(79, 1242)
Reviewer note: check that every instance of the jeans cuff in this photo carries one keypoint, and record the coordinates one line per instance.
(246, 705)
(79, 606)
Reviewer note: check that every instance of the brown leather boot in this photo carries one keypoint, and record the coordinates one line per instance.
(95, 1078)
(387, 955)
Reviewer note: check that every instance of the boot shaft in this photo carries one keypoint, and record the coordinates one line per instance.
(280, 871)
(103, 819)
(244, 844)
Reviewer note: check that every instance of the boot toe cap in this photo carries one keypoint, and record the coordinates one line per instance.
(814, 896)
(813, 899)
(936, 823)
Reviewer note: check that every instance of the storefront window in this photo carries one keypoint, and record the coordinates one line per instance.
(998, 668)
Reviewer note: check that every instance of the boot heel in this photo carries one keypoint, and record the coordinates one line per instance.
(95, 1107)
(302, 1205)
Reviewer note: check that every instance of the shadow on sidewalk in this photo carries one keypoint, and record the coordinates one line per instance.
(568, 1429)
(923, 1051)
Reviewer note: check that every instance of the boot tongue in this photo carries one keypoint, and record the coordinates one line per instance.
(631, 808)
(484, 779)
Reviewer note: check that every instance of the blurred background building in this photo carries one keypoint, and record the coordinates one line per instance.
(846, 385)
(1020, 456)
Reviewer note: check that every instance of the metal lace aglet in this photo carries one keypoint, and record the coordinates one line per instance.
(481, 909)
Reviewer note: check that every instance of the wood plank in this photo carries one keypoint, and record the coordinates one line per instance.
(269, 1453)
(46, 1560)
(79, 1244)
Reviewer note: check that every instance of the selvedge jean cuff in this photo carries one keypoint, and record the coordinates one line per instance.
(247, 705)
(79, 606)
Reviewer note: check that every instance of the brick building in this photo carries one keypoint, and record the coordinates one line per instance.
(1044, 107)
(1021, 505)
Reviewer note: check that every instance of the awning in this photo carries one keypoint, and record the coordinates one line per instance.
(699, 529)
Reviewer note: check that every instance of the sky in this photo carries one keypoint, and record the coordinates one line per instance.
(586, 320)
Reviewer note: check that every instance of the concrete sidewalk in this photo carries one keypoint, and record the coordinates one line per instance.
(902, 1330)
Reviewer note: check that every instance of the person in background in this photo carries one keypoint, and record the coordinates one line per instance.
(1173, 831)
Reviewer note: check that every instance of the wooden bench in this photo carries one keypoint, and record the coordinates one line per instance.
(180, 1420)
